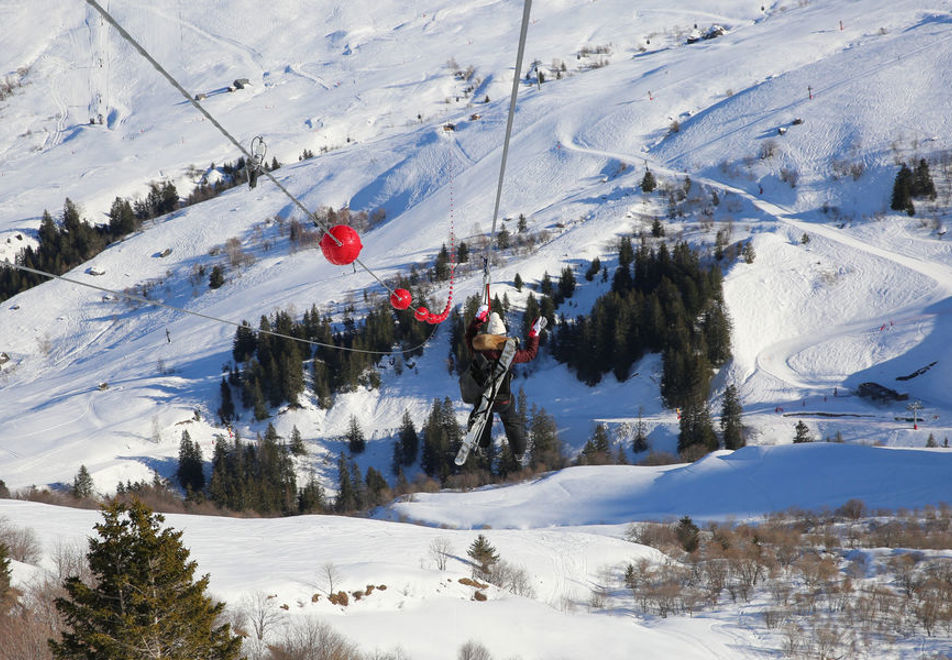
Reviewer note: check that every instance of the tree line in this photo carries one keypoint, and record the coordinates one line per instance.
(269, 370)
(910, 184)
(69, 241)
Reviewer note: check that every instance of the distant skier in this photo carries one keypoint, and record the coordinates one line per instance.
(485, 335)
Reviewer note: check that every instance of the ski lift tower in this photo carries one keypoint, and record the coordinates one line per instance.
(915, 407)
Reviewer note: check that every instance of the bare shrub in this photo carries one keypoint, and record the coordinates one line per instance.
(21, 542)
(768, 149)
(659, 458)
(312, 639)
(513, 579)
(853, 509)
(473, 650)
(655, 535)
(236, 255)
(331, 575)
(598, 598)
(789, 176)
(440, 550)
(24, 636)
(70, 561)
(693, 453)
(258, 610)
(301, 237)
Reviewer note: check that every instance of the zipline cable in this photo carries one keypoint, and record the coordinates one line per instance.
(505, 145)
(249, 157)
(209, 317)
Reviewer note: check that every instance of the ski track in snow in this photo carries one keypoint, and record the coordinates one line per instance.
(62, 109)
(251, 55)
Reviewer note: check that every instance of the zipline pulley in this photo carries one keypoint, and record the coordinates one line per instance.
(256, 163)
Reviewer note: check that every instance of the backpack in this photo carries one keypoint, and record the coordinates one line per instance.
(474, 378)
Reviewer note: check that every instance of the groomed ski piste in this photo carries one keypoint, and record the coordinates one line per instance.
(370, 89)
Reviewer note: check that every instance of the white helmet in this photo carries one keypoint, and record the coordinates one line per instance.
(495, 325)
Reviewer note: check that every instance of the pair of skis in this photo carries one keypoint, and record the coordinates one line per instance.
(484, 408)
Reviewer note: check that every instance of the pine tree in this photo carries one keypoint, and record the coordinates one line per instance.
(227, 409)
(377, 487)
(217, 277)
(648, 183)
(346, 496)
(122, 219)
(593, 268)
(902, 191)
(503, 239)
(802, 433)
(259, 404)
(360, 488)
(716, 329)
(695, 427)
(145, 602)
(409, 442)
(441, 439)
(296, 443)
(441, 270)
(731, 419)
(546, 287)
(546, 450)
(688, 534)
(484, 556)
(517, 282)
(82, 484)
(311, 498)
(748, 252)
(566, 283)
(245, 343)
(597, 450)
(190, 474)
(355, 436)
(922, 184)
(640, 441)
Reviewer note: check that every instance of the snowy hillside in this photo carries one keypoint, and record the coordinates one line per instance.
(564, 535)
(865, 300)
(795, 120)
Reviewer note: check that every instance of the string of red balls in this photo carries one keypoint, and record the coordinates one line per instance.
(341, 246)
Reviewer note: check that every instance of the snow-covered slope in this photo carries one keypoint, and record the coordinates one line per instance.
(564, 532)
(867, 299)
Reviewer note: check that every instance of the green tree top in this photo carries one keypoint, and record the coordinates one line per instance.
(83, 483)
(144, 602)
(648, 182)
(483, 554)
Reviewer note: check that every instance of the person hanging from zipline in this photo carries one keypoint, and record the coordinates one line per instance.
(484, 338)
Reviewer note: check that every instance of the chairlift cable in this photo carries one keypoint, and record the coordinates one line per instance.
(188, 97)
(517, 74)
(248, 155)
(209, 317)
